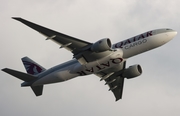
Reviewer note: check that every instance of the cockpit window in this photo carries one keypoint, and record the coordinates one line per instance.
(168, 29)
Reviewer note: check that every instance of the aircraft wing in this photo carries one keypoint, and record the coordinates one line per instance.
(79, 48)
(65, 41)
(118, 84)
(114, 80)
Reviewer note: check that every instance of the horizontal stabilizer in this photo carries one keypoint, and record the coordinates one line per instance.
(20, 75)
(37, 90)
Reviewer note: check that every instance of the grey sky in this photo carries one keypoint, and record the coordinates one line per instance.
(155, 92)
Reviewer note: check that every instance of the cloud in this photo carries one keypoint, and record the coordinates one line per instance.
(155, 92)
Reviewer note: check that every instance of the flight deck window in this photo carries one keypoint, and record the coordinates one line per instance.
(168, 29)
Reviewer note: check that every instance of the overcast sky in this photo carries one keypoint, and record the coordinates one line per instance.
(155, 93)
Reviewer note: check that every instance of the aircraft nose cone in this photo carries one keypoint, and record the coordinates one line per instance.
(172, 34)
(175, 33)
(168, 36)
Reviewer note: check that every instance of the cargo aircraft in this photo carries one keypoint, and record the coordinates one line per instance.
(103, 59)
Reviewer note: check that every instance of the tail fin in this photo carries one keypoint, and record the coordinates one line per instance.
(32, 67)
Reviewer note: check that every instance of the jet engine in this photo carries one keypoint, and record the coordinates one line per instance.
(132, 71)
(101, 45)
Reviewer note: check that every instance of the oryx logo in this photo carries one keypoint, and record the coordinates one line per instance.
(32, 68)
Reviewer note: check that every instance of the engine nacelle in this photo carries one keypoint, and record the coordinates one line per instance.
(132, 71)
(101, 45)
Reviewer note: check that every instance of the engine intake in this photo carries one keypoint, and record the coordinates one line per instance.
(132, 71)
(101, 45)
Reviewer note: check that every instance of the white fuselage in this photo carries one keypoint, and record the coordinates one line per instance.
(121, 51)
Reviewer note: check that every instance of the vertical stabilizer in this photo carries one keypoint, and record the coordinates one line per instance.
(32, 67)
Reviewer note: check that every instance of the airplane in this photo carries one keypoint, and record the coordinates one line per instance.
(101, 58)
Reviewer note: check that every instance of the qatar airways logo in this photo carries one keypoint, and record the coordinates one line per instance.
(32, 68)
(100, 67)
(134, 41)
